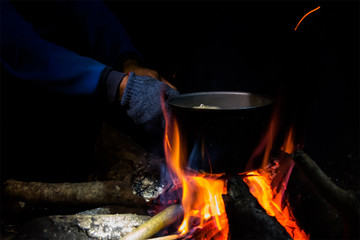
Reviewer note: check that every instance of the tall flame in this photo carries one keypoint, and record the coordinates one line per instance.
(266, 143)
(202, 201)
(269, 184)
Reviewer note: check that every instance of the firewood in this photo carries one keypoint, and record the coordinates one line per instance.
(247, 219)
(156, 223)
(84, 193)
(345, 201)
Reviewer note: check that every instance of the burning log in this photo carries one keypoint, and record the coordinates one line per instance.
(156, 223)
(85, 193)
(345, 201)
(247, 219)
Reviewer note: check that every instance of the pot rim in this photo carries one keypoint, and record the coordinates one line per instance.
(252, 100)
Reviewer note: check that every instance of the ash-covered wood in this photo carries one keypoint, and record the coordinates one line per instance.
(80, 226)
(114, 209)
(147, 187)
(247, 219)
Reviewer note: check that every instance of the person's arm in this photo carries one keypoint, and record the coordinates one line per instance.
(107, 38)
(29, 57)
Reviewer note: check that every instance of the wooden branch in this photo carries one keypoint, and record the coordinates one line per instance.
(91, 193)
(344, 201)
(156, 223)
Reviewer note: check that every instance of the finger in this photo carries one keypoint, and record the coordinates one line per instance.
(166, 82)
(149, 73)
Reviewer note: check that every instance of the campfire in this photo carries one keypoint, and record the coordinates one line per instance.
(263, 182)
(187, 203)
(201, 197)
(200, 200)
(196, 197)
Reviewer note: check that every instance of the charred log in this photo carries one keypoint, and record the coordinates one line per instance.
(345, 201)
(247, 219)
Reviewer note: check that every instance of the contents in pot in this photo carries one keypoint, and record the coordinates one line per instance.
(203, 106)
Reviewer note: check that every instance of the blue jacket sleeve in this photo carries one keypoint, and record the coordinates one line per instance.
(29, 57)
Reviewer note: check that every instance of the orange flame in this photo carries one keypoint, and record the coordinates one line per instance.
(269, 186)
(260, 187)
(288, 145)
(202, 201)
(266, 143)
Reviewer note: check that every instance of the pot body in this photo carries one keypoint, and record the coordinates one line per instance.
(221, 136)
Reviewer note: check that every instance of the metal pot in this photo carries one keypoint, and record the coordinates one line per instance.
(220, 130)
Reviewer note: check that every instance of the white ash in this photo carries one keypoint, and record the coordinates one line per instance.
(104, 227)
(147, 187)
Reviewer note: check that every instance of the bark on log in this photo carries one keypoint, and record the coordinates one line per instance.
(81, 226)
(86, 193)
(247, 219)
(345, 201)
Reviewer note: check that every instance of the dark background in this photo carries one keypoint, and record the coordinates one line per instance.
(208, 46)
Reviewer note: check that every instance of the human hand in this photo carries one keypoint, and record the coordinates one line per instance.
(133, 66)
(141, 95)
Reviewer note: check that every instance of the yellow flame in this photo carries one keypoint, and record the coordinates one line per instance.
(260, 187)
(260, 183)
(202, 193)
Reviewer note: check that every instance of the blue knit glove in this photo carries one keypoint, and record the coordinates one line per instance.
(142, 98)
